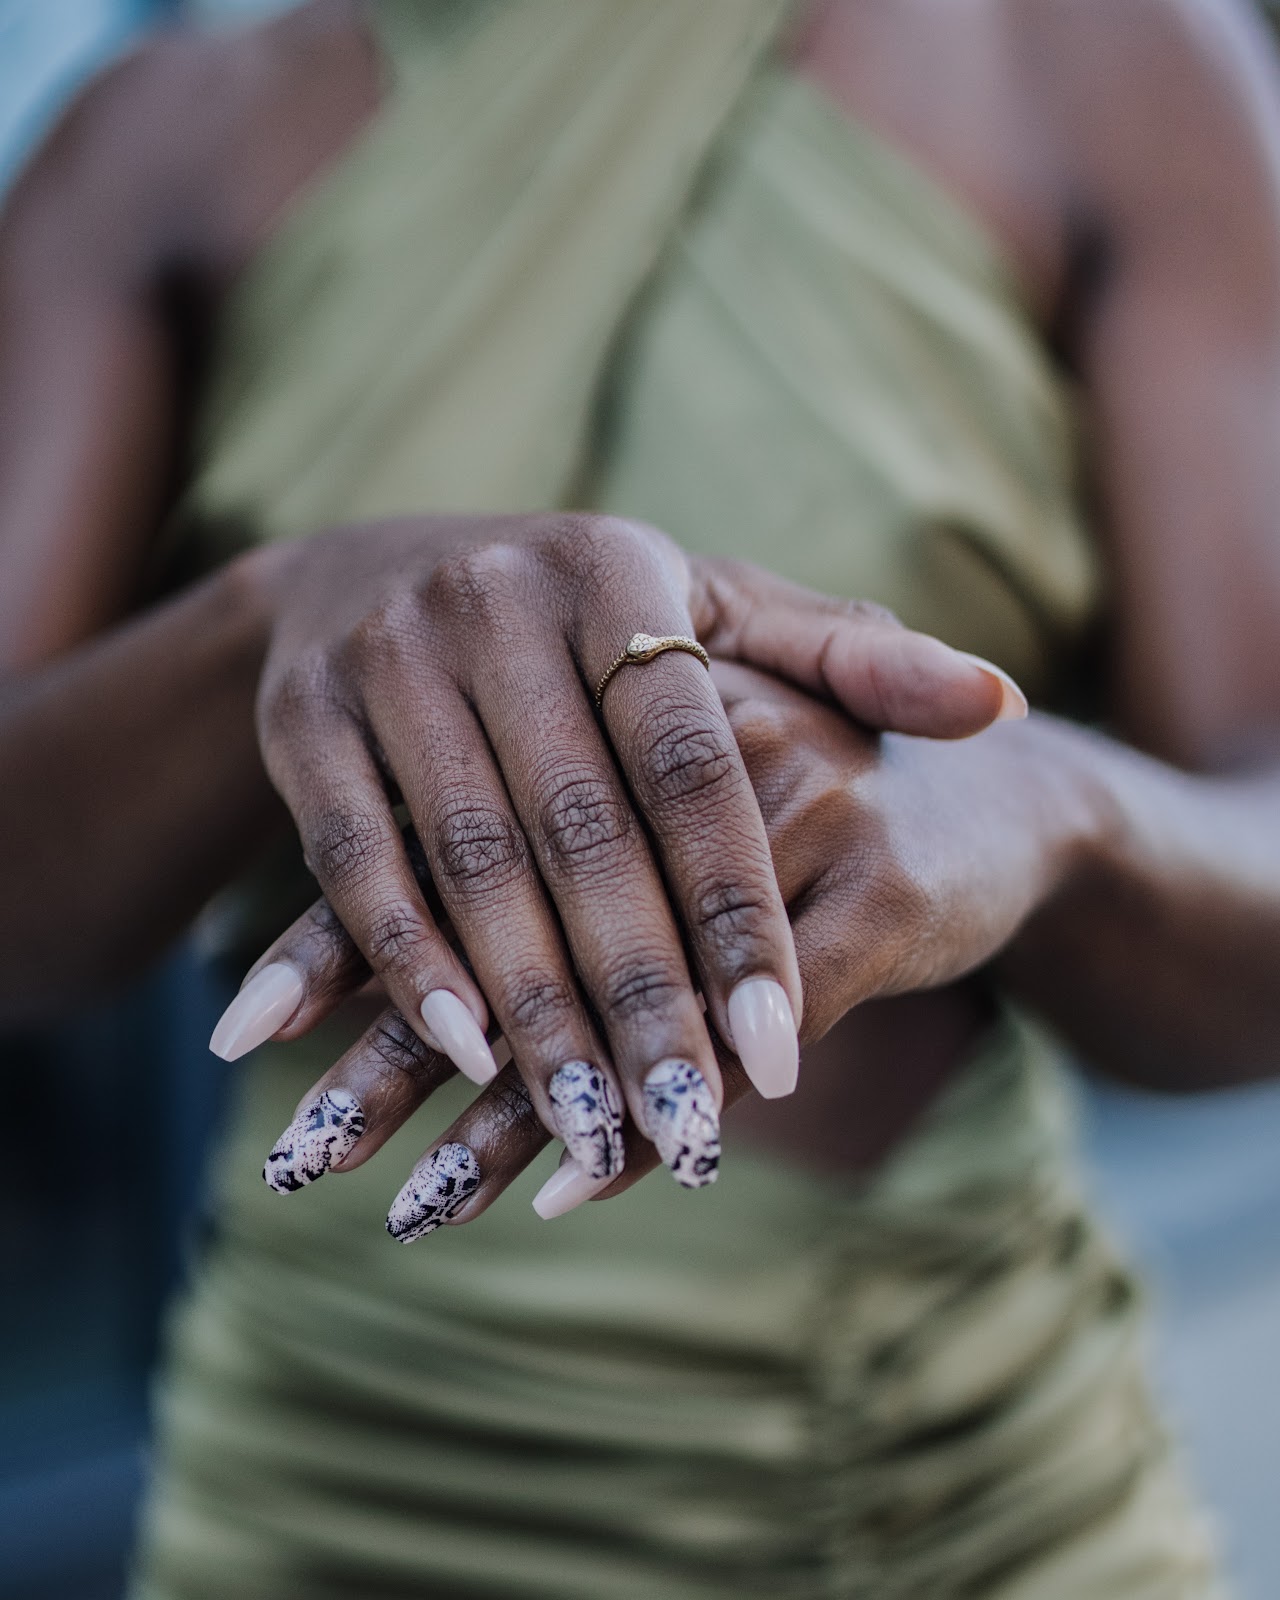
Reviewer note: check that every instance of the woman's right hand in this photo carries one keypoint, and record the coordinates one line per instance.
(449, 664)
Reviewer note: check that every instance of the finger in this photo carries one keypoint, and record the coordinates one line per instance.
(479, 860)
(357, 1105)
(306, 974)
(682, 764)
(887, 676)
(569, 1186)
(355, 851)
(310, 969)
(469, 1166)
(593, 857)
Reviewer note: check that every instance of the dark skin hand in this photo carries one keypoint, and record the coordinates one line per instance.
(1152, 919)
(1150, 248)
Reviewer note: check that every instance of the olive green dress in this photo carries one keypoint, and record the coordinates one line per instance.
(610, 254)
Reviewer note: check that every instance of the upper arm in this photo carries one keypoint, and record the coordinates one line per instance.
(86, 374)
(152, 193)
(1174, 116)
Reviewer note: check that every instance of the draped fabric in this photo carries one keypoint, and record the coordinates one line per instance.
(608, 254)
(926, 1390)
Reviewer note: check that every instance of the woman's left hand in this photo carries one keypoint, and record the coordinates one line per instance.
(904, 863)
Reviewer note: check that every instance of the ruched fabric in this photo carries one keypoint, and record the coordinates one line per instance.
(930, 1387)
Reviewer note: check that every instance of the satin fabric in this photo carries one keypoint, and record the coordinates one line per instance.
(611, 255)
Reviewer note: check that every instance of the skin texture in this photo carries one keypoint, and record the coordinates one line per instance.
(526, 811)
(1139, 898)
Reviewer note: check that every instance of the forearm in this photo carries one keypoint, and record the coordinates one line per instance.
(1157, 949)
(130, 788)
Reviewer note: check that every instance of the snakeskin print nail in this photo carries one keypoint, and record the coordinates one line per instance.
(588, 1117)
(321, 1134)
(683, 1123)
(439, 1188)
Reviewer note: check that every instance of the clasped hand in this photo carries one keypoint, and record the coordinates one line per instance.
(503, 860)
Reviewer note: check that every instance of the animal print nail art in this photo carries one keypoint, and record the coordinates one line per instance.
(683, 1123)
(321, 1134)
(440, 1187)
(589, 1117)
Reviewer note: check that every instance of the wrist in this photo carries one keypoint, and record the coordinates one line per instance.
(1074, 799)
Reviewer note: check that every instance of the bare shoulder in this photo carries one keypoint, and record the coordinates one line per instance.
(1176, 99)
(183, 151)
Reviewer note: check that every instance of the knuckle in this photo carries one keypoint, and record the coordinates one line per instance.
(583, 546)
(686, 757)
(868, 611)
(583, 821)
(305, 692)
(389, 635)
(638, 989)
(539, 1002)
(732, 918)
(578, 537)
(343, 846)
(479, 848)
(395, 1051)
(396, 937)
(320, 946)
(511, 1107)
(473, 586)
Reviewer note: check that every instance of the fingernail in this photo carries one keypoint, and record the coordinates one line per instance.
(1013, 703)
(682, 1121)
(764, 1036)
(440, 1186)
(261, 1008)
(317, 1139)
(567, 1187)
(457, 1034)
(588, 1113)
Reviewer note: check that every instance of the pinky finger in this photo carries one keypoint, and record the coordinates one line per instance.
(472, 1162)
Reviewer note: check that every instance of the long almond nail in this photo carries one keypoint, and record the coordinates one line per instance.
(588, 1114)
(261, 1008)
(457, 1034)
(1013, 703)
(316, 1140)
(682, 1121)
(764, 1036)
(440, 1186)
(567, 1187)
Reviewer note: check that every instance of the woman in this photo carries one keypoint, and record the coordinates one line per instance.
(613, 257)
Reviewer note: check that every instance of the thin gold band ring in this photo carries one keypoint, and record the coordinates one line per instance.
(642, 647)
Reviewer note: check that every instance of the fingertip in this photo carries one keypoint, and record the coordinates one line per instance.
(1012, 704)
(454, 1032)
(264, 1005)
(764, 1036)
(568, 1187)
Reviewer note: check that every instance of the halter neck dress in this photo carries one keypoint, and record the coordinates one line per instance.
(613, 255)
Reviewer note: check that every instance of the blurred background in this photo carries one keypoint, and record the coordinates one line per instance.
(1192, 1185)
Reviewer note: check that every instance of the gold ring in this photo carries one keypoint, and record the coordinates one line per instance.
(644, 647)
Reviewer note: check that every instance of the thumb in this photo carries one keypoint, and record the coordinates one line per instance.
(886, 676)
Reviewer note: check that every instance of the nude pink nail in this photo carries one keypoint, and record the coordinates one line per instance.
(261, 1008)
(764, 1036)
(1013, 703)
(568, 1186)
(455, 1033)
